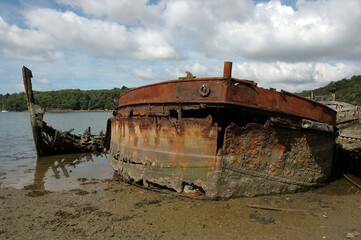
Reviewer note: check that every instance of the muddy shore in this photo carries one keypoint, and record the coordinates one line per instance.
(112, 209)
(67, 205)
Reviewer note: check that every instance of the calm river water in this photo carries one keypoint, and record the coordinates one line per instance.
(19, 165)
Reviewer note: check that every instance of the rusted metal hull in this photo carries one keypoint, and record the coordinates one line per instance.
(213, 137)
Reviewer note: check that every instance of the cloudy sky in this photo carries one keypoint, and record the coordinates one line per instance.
(101, 44)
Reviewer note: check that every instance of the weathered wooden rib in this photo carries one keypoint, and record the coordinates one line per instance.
(50, 141)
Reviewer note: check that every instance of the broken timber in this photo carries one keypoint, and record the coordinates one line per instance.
(222, 137)
(50, 141)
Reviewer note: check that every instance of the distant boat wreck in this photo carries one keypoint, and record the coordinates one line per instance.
(50, 141)
(221, 137)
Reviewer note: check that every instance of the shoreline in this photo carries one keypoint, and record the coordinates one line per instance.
(70, 110)
(112, 209)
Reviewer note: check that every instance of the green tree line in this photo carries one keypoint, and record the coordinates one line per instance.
(346, 90)
(72, 99)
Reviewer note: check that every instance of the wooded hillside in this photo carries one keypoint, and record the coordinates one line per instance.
(347, 90)
(73, 99)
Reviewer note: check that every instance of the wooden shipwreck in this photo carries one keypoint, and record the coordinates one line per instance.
(221, 137)
(50, 141)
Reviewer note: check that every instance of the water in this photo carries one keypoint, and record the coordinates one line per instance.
(19, 165)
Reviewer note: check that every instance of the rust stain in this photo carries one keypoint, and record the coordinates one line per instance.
(272, 170)
(221, 137)
(226, 91)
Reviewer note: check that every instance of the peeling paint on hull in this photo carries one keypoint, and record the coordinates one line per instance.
(202, 143)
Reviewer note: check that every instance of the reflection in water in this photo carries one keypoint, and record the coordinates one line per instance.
(18, 160)
(59, 164)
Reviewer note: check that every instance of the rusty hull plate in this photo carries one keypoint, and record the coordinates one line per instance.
(220, 151)
(164, 151)
(221, 137)
(233, 91)
(260, 160)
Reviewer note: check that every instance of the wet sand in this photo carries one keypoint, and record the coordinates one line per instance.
(112, 209)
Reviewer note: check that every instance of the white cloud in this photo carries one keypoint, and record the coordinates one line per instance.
(317, 30)
(101, 38)
(269, 42)
(2, 71)
(123, 11)
(172, 73)
(146, 73)
(43, 81)
(26, 43)
(294, 76)
(198, 69)
(194, 21)
(327, 29)
(19, 87)
(205, 69)
(151, 46)
(33, 54)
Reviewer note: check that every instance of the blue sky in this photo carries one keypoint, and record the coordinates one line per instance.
(90, 44)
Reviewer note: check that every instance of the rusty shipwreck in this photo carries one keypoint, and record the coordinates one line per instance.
(221, 137)
(50, 141)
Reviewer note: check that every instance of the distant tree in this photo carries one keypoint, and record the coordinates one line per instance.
(74, 99)
(332, 87)
(347, 90)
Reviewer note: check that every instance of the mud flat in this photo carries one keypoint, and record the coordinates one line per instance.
(111, 209)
